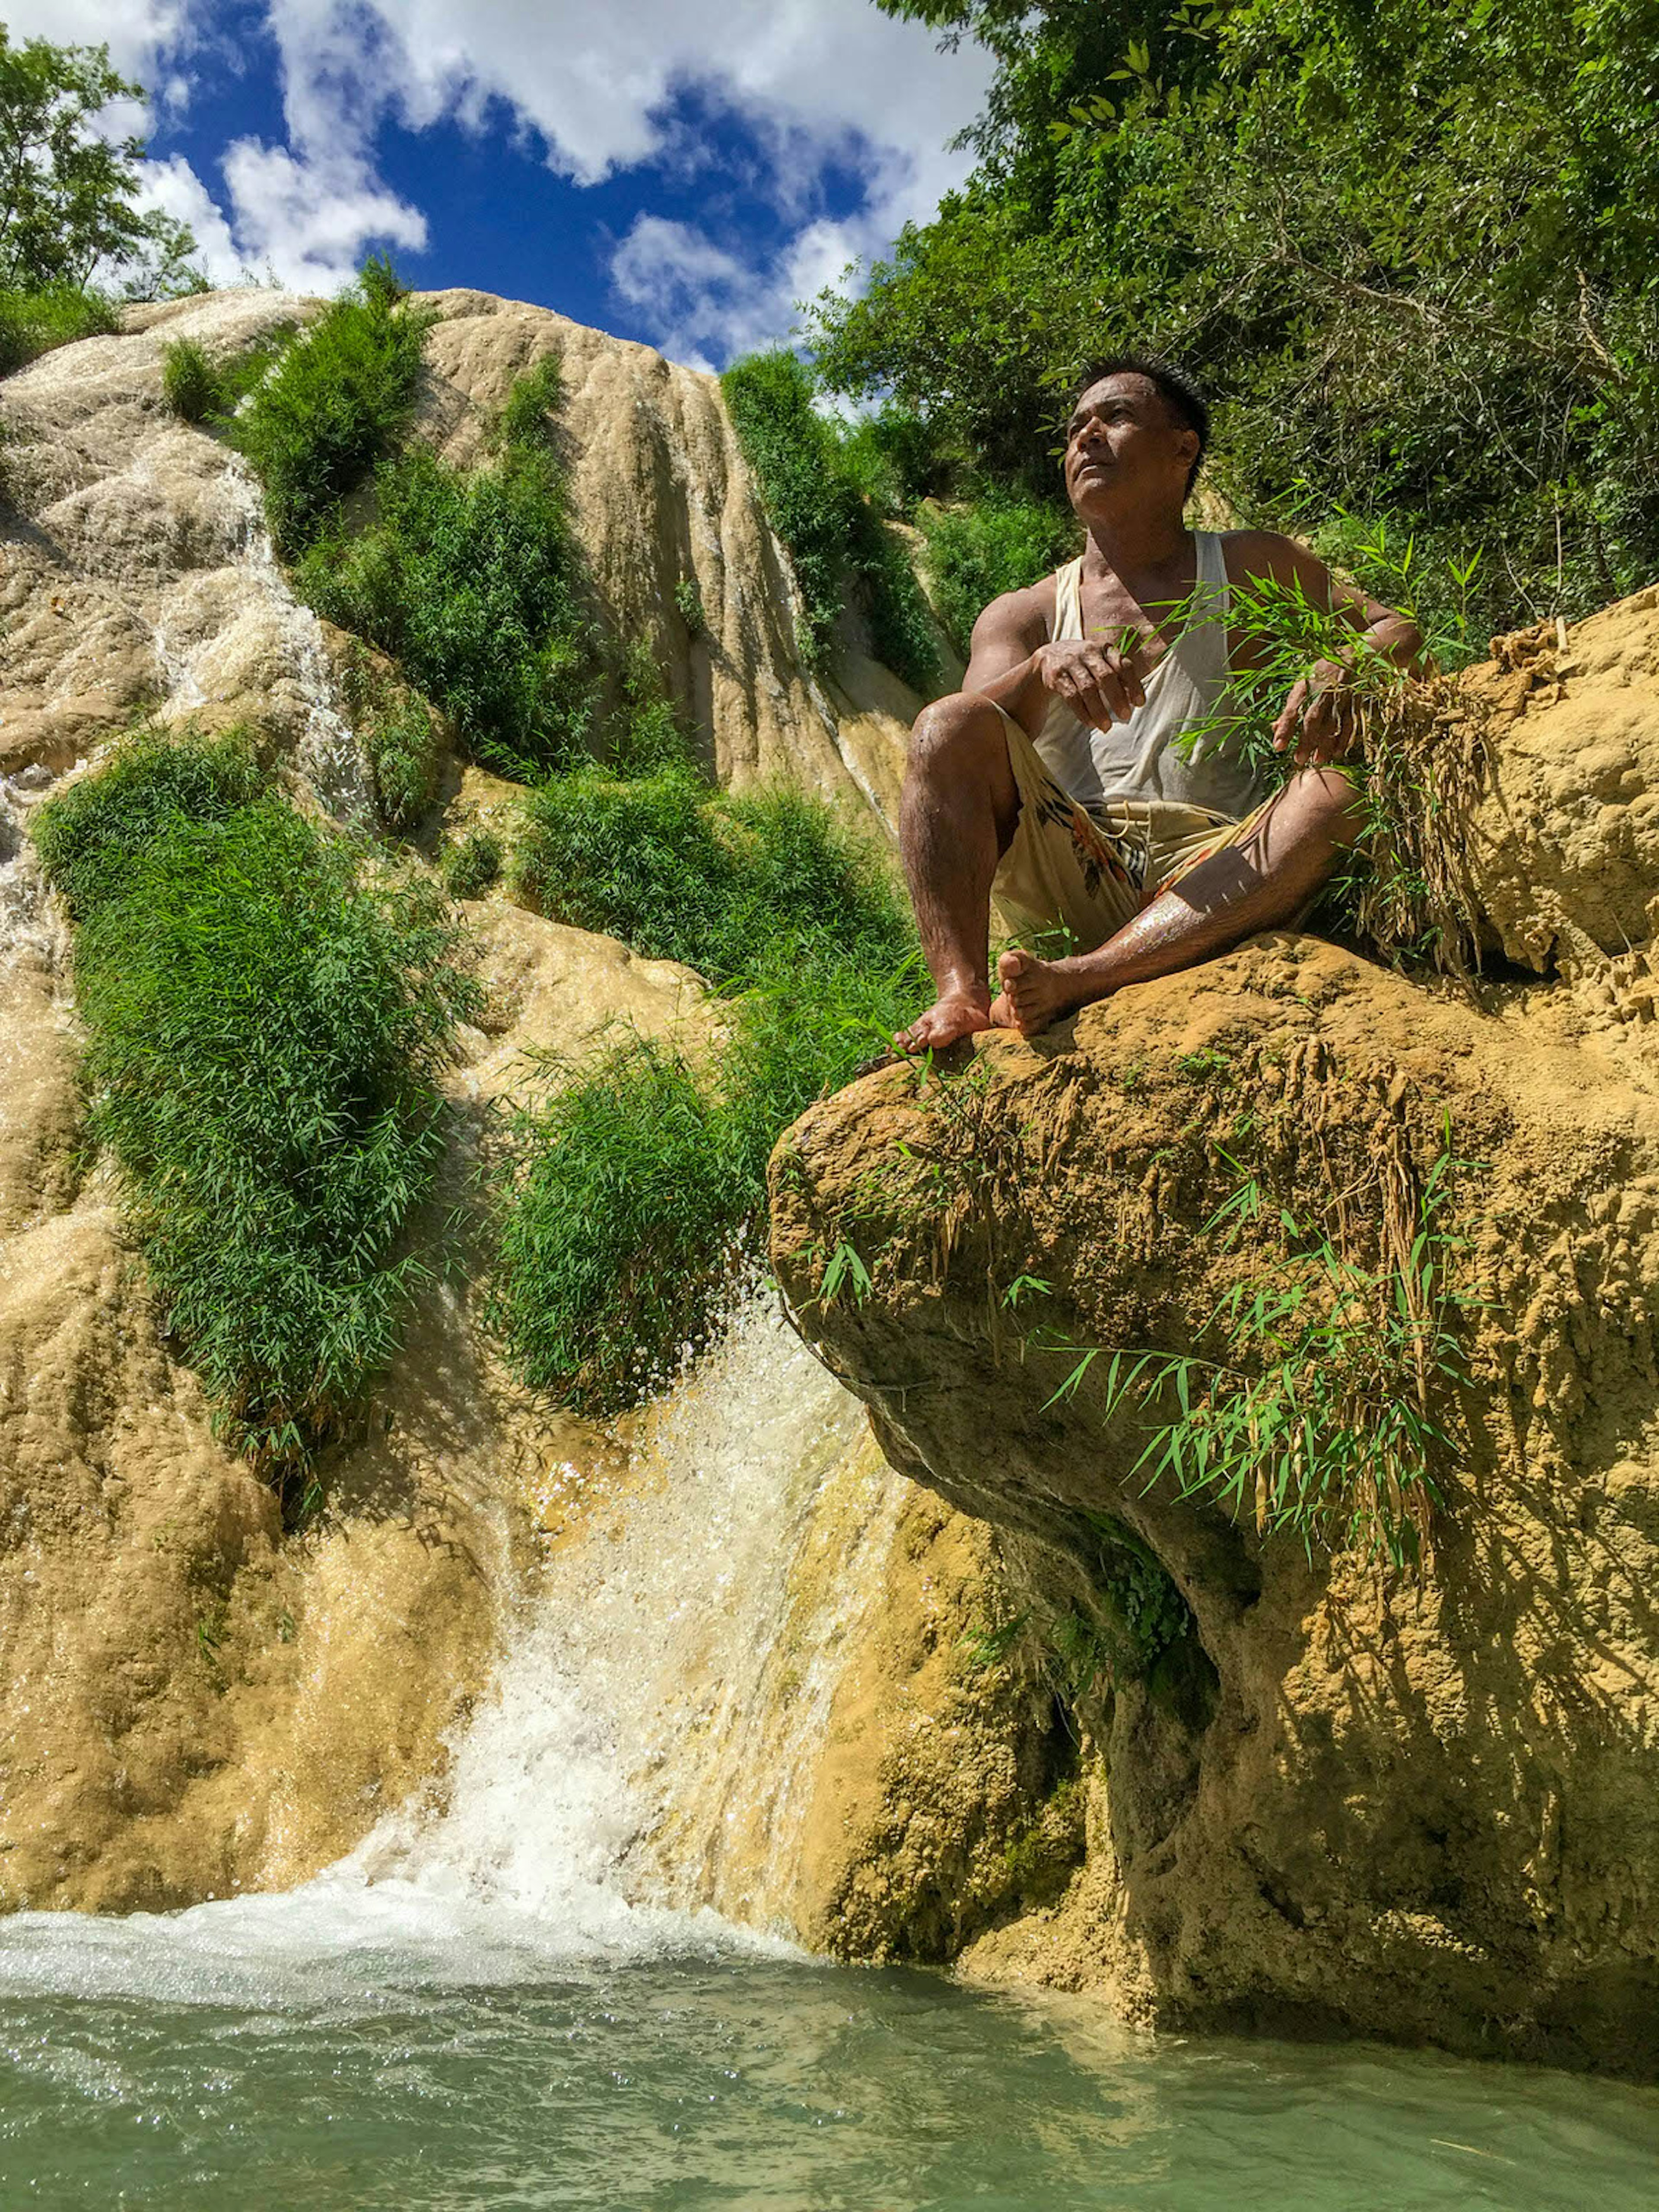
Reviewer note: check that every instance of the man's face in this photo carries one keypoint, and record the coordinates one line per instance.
(1125, 447)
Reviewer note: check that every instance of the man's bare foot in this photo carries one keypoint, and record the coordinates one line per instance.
(1035, 992)
(947, 1021)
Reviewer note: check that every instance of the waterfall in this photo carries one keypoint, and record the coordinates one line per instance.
(633, 1785)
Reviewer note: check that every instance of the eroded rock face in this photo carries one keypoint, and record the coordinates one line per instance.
(200, 1701)
(1373, 1800)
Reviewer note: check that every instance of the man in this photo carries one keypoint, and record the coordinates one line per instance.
(1088, 784)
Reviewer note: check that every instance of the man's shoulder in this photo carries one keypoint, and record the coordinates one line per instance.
(1028, 611)
(1260, 554)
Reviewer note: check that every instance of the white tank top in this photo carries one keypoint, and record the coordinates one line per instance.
(1191, 684)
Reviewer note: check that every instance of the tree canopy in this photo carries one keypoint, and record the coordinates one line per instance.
(1409, 244)
(68, 193)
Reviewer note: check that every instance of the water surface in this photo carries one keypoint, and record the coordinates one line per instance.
(202, 2062)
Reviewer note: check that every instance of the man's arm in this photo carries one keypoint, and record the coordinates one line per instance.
(1015, 666)
(1317, 718)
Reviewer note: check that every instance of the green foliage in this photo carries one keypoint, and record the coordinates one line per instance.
(201, 390)
(403, 752)
(624, 1197)
(815, 502)
(647, 733)
(1323, 1412)
(265, 1034)
(1409, 247)
(401, 741)
(69, 190)
(34, 321)
(688, 598)
(188, 383)
(983, 547)
(474, 583)
(472, 863)
(338, 399)
(622, 1190)
(91, 837)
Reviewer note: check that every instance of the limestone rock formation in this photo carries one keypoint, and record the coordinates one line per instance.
(200, 1701)
(1350, 1797)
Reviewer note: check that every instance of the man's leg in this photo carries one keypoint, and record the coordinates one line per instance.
(958, 814)
(1261, 882)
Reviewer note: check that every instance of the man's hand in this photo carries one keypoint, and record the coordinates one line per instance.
(1100, 683)
(1318, 717)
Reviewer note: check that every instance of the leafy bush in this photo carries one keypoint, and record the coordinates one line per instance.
(189, 385)
(403, 752)
(814, 503)
(401, 744)
(335, 403)
(472, 863)
(201, 390)
(984, 547)
(33, 322)
(1416, 301)
(625, 1196)
(265, 1037)
(91, 837)
(474, 583)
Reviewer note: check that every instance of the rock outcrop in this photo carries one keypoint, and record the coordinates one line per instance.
(1420, 1803)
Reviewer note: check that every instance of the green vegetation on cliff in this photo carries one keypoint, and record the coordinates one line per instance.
(265, 1028)
(336, 401)
(625, 1196)
(1408, 248)
(473, 581)
(814, 495)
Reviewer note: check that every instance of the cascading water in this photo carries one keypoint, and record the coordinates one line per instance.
(631, 1787)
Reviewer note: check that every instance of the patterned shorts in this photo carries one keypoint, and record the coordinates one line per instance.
(1079, 873)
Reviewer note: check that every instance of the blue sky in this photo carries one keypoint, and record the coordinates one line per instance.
(678, 171)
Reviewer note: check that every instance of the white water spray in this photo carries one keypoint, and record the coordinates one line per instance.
(633, 1785)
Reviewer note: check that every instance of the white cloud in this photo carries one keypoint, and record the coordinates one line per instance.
(588, 87)
(307, 217)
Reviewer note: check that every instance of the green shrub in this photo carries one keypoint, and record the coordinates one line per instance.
(337, 402)
(619, 1187)
(987, 546)
(264, 1038)
(91, 837)
(472, 863)
(200, 390)
(33, 322)
(188, 384)
(688, 598)
(474, 583)
(647, 734)
(625, 1197)
(815, 502)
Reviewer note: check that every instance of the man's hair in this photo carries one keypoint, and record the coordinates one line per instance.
(1179, 394)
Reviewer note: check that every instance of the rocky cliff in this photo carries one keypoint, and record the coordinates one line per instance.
(1330, 1792)
(198, 1700)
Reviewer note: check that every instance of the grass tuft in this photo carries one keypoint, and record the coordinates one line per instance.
(265, 1033)
(624, 1198)
(336, 401)
(35, 322)
(472, 864)
(1323, 1413)
(91, 837)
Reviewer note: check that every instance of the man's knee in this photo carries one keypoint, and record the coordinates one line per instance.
(1329, 797)
(961, 726)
